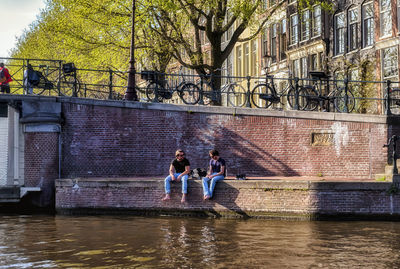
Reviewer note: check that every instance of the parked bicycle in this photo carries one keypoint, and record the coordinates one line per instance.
(36, 81)
(42, 80)
(69, 83)
(232, 93)
(342, 99)
(158, 89)
(265, 94)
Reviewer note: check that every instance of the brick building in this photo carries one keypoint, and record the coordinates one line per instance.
(354, 39)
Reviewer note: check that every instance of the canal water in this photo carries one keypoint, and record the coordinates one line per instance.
(167, 242)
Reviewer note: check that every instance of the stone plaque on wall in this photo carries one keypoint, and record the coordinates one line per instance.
(322, 139)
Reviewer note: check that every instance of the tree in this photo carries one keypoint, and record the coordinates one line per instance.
(182, 23)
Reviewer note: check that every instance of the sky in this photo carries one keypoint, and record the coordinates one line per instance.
(16, 15)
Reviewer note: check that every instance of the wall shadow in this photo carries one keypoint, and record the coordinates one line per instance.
(242, 154)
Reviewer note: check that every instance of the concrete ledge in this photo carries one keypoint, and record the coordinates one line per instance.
(209, 109)
(232, 199)
(9, 194)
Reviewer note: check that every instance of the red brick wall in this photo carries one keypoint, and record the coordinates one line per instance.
(116, 141)
(231, 198)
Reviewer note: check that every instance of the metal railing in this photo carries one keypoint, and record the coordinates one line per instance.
(357, 96)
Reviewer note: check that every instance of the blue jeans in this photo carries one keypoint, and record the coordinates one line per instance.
(168, 179)
(208, 190)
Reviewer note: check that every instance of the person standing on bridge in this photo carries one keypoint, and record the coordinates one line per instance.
(178, 171)
(216, 172)
(5, 78)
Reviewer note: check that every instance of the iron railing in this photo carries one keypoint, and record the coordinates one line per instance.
(357, 96)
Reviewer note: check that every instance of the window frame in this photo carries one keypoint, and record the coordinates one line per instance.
(305, 25)
(273, 42)
(394, 67)
(368, 25)
(239, 57)
(339, 32)
(316, 23)
(282, 39)
(352, 29)
(383, 16)
(294, 29)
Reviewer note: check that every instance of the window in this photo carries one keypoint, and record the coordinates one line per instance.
(304, 67)
(314, 62)
(227, 68)
(385, 18)
(353, 28)
(265, 4)
(354, 75)
(339, 33)
(305, 25)
(296, 68)
(239, 61)
(273, 33)
(282, 40)
(398, 15)
(368, 24)
(294, 27)
(316, 21)
(253, 58)
(246, 59)
(264, 42)
(390, 69)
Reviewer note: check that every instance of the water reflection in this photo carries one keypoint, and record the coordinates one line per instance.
(132, 242)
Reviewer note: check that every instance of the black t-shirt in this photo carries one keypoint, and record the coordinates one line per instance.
(180, 165)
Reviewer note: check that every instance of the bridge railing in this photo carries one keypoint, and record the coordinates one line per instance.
(315, 93)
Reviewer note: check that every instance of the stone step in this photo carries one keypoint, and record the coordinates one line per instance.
(9, 194)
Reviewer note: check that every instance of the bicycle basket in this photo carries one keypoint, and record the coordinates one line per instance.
(68, 68)
(148, 75)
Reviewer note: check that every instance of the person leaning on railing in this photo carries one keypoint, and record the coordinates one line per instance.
(5, 79)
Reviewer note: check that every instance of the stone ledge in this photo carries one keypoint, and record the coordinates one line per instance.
(232, 199)
(238, 184)
(352, 117)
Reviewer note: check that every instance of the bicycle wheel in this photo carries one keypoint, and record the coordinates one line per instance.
(152, 92)
(236, 95)
(340, 100)
(206, 93)
(68, 85)
(291, 98)
(189, 93)
(262, 95)
(308, 98)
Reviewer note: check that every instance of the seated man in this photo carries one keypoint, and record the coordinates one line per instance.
(216, 172)
(181, 165)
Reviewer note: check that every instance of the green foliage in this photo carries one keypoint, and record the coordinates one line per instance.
(96, 34)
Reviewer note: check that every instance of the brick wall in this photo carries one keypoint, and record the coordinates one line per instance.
(248, 198)
(41, 165)
(116, 140)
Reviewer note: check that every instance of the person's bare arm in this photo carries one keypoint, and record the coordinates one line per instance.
(171, 172)
(186, 172)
